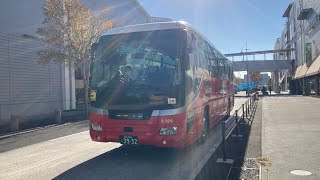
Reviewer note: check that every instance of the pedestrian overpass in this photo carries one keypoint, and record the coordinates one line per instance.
(274, 65)
(263, 65)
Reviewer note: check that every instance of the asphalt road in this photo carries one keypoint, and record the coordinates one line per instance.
(67, 152)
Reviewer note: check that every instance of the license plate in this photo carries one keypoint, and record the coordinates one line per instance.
(129, 140)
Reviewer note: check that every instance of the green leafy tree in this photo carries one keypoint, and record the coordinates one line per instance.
(69, 29)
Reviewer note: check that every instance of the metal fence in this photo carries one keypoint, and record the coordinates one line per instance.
(244, 114)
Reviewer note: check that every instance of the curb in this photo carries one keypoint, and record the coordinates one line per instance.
(8, 135)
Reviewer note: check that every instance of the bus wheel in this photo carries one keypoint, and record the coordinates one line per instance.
(205, 125)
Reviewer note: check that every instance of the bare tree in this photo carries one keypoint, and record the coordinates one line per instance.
(69, 30)
(237, 80)
(255, 77)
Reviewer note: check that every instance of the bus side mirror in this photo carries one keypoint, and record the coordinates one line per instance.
(191, 42)
(94, 47)
(186, 63)
(189, 49)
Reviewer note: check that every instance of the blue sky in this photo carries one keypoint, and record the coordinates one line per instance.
(228, 24)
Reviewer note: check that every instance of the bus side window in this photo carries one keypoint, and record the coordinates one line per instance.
(191, 42)
(228, 71)
(231, 74)
(207, 52)
(214, 67)
(191, 74)
(221, 69)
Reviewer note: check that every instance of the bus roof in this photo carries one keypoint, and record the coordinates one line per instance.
(147, 27)
(155, 26)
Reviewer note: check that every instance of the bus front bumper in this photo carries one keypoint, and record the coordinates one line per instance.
(147, 138)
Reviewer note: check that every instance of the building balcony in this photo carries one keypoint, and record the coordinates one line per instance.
(315, 22)
(305, 14)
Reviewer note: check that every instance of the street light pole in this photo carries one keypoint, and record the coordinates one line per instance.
(247, 66)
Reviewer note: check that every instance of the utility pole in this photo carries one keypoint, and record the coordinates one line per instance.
(247, 65)
(247, 50)
(302, 47)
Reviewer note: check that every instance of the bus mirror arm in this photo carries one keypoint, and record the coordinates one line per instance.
(94, 48)
(186, 63)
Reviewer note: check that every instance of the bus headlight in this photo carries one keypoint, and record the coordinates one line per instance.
(96, 127)
(168, 131)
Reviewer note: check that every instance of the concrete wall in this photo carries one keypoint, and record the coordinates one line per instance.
(27, 87)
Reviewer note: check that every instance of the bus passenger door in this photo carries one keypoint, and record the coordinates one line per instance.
(220, 100)
(208, 100)
(224, 95)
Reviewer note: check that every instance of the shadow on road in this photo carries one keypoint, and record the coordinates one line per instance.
(145, 162)
(26, 139)
(125, 163)
(239, 150)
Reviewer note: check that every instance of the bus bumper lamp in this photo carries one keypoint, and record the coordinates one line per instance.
(96, 127)
(168, 131)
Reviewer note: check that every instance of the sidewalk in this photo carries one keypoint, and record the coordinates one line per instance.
(243, 93)
(278, 94)
(290, 137)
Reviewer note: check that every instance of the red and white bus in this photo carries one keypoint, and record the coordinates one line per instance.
(159, 84)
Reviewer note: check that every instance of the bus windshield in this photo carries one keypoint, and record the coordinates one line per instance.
(140, 70)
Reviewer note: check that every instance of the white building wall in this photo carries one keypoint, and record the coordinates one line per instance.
(57, 85)
(27, 88)
(300, 35)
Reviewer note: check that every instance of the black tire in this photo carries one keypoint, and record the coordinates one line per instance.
(205, 126)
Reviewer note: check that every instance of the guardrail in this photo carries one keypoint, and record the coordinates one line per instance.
(244, 114)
